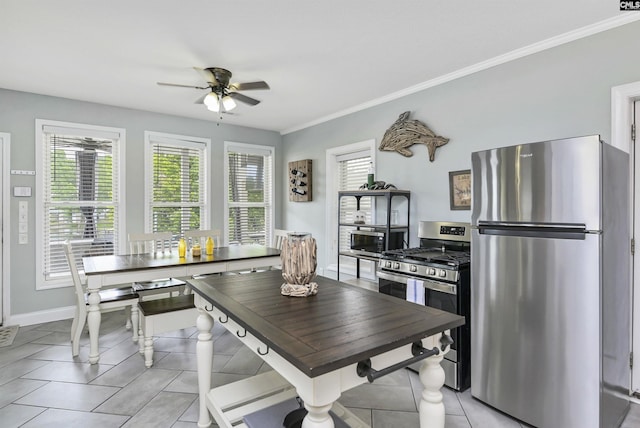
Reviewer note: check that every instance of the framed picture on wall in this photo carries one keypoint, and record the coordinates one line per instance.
(460, 189)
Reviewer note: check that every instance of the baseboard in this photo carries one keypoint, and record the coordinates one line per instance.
(39, 317)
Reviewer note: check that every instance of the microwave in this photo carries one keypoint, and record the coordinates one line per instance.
(372, 242)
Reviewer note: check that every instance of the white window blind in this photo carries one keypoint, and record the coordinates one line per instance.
(249, 194)
(352, 173)
(175, 184)
(81, 201)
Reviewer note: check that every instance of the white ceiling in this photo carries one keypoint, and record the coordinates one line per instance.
(322, 59)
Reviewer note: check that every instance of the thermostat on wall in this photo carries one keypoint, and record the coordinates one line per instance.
(21, 191)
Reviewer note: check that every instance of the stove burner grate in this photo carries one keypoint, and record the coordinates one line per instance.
(421, 255)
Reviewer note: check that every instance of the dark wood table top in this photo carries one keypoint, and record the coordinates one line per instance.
(94, 265)
(339, 326)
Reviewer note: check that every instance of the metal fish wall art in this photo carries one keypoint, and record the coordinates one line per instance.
(404, 133)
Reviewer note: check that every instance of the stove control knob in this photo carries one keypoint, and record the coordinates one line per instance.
(387, 264)
(413, 268)
(431, 271)
(442, 273)
(396, 265)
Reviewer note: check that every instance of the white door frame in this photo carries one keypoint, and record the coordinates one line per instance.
(622, 99)
(5, 154)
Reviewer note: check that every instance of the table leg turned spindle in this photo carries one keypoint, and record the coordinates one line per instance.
(204, 355)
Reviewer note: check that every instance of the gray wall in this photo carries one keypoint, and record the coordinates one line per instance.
(561, 92)
(18, 112)
(557, 93)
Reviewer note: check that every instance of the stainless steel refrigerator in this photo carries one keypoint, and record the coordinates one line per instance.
(550, 282)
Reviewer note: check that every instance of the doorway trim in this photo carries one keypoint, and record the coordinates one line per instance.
(622, 100)
(5, 140)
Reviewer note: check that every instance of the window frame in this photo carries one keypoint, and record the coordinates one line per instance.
(82, 130)
(150, 138)
(367, 269)
(249, 149)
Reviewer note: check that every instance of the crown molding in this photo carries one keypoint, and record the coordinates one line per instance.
(552, 42)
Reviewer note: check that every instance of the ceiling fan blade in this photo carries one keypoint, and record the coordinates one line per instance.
(182, 86)
(243, 98)
(248, 86)
(207, 76)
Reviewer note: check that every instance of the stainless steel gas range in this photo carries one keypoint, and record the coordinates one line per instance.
(441, 264)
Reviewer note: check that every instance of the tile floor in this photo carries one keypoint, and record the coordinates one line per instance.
(42, 385)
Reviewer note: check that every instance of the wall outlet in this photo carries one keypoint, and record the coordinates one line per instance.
(23, 238)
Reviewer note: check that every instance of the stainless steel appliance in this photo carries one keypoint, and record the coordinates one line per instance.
(372, 242)
(441, 266)
(550, 296)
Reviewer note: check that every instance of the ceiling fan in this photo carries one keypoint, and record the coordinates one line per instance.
(222, 94)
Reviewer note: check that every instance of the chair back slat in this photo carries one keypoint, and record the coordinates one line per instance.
(200, 237)
(154, 242)
(279, 237)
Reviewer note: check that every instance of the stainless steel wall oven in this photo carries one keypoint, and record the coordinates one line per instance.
(442, 266)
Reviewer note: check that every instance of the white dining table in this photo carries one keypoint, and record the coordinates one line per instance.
(109, 270)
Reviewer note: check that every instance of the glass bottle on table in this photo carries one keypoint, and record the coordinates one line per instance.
(209, 246)
(182, 248)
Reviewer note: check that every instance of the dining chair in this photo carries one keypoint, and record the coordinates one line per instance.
(279, 236)
(153, 242)
(198, 236)
(111, 299)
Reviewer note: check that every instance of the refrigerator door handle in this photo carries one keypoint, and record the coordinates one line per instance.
(536, 230)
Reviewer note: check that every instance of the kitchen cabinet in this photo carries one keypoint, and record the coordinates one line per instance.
(389, 226)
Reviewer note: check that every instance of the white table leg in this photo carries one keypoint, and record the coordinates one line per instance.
(204, 357)
(431, 405)
(318, 417)
(93, 321)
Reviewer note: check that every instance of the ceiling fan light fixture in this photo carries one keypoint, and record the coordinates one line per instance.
(211, 100)
(228, 103)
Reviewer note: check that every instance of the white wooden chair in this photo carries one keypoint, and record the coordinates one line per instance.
(154, 242)
(110, 299)
(200, 237)
(279, 236)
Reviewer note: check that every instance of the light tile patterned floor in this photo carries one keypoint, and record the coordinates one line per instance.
(42, 385)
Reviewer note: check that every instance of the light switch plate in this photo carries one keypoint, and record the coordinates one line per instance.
(22, 191)
(23, 238)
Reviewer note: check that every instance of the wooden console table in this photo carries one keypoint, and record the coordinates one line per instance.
(317, 344)
(103, 271)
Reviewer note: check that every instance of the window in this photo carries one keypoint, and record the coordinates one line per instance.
(79, 192)
(352, 173)
(249, 190)
(347, 168)
(176, 183)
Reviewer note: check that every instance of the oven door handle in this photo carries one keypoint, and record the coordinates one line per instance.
(428, 284)
(439, 286)
(391, 277)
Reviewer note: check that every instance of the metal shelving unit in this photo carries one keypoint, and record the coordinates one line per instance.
(388, 196)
